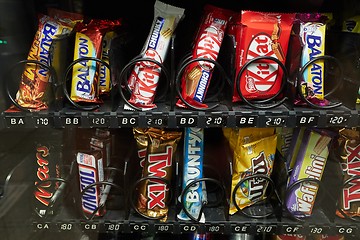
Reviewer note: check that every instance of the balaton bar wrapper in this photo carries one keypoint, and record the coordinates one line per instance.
(310, 164)
(154, 194)
(144, 78)
(33, 89)
(196, 78)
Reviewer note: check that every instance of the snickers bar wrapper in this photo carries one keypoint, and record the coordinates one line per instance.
(310, 163)
(193, 170)
(349, 157)
(48, 156)
(91, 170)
(153, 194)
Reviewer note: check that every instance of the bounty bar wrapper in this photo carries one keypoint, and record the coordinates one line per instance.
(143, 80)
(193, 170)
(310, 163)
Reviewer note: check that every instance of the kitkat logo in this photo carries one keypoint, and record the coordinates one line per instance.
(261, 75)
(209, 46)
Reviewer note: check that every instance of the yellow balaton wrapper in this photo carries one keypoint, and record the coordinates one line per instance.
(252, 145)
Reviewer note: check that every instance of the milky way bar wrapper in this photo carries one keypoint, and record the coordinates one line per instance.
(193, 170)
(349, 156)
(48, 164)
(310, 164)
(91, 170)
(154, 194)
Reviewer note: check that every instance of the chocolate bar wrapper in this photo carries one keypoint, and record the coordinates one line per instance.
(257, 157)
(141, 138)
(143, 80)
(49, 164)
(33, 90)
(91, 170)
(196, 78)
(193, 170)
(310, 163)
(101, 140)
(105, 77)
(295, 144)
(289, 237)
(348, 155)
(153, 194)
(284, 140)
(85, 74)
(328, 237)
(261, 34)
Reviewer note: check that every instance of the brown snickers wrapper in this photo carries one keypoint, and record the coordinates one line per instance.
(349, 157)
(154, 194)
(47, 157)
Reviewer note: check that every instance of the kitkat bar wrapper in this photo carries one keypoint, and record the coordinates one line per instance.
(154, 194)
(349, 157)
(262, 34)
(195, 196)
(254, 154)
(310, 164)
(85, 74)
(144, 78)
(33, 92)
(196, 78)
(91, 170)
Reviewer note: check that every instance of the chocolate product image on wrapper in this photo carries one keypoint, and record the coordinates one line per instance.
(193, 199)
(34, 92)
(349, 157)
(144, 78)
(153, 192)
(310, 164)
(196, 78)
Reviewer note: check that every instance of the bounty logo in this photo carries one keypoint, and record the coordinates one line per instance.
(262, 73)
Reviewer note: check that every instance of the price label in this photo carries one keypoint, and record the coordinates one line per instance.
(65, 226)
(318, 229)
(337, 120)
(112, 227)
(265, 229)
(307, 120)
(43, 122)
(187, 121)
(211, 228)
(246, 121)
(215, 121)
(71, 121)
(99, 121)
(128, 121)
(15, 121)
(275, 121)
(165, 228)
(154, 121)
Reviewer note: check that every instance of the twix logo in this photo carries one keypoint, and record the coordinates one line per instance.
(158, 162)
(352, 192)
(261, 75)
(42, 194)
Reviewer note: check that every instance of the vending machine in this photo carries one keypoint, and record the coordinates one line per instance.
(187, 120)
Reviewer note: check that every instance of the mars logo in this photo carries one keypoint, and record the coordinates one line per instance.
(262, 74)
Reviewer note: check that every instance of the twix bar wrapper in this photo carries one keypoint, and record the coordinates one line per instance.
(349, 157)
(142, 142)
(144, 78)
(154, 194)
(196, 78)
(261, 34)
(85, 74)
(254, 154)
(310, 164)
(33, 91)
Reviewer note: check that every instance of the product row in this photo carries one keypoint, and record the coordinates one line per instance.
(256, 59)
(231, 178)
